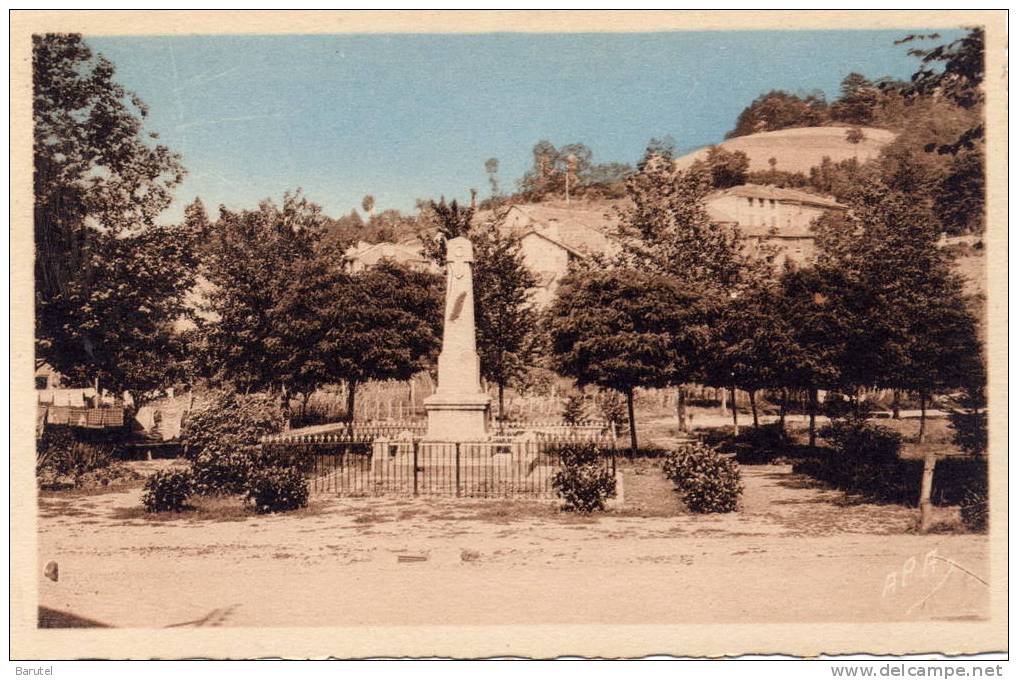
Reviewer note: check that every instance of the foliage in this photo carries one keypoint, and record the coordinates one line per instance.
(220, 439)
(110, 282)
(574, 409)
(250, 259)
(954, 71)
(725, 168)
(168, 491)
(228, 420)
(762, 444)
(275, 489)
(612, 407)
(64, 453)
(224, 472)
(975, 509)
(625, 328)
(506, 318)
(391, 326)
(778, 110)
(864, 459)
(968, 416)
(707, 481)
(905, 320)
(666, 229)
(552, 166)
(584, 483)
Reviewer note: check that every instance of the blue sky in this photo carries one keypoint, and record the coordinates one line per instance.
(415, 116)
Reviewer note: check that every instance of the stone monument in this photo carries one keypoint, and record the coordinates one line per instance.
(458, 410)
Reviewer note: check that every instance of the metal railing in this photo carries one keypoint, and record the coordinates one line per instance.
(376, 466)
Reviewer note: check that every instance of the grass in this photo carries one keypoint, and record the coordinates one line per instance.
(210, 509)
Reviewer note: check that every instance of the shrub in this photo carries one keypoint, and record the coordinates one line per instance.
(168, 491)
(975, 509)
(707, 481)
(970, 431)
(222, 473)
(276, 490)
(228, 421)
(863, 459)
(573, 411)
(584, 483)
(61, 452)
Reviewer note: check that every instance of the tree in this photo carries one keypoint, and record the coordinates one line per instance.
(506, 320)
(368, 204)
(726, 168)
(755, 347)
(622, 329)
(954, 71)
(777, 110)
(250, 259)
(390, 327)
(858, 101)
(574, 410)
(308, 327)
(491, 167)
(911, 311)
(666, 229)
(960, 201)
(110, 282)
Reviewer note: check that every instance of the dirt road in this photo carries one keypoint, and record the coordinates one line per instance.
(794, 553)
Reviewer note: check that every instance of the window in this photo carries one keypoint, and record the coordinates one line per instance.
(41, 382)
(772, 204)
(750, 202)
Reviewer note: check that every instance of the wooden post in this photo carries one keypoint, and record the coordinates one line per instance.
(926, 492)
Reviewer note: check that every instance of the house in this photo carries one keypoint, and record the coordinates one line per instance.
(409, 252)
(769, 216)
(552, 236)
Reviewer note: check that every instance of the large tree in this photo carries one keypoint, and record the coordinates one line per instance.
(622, 329)
(910, 316)
(506, 318)
(389, 327)
(249, 259)
(110, 281)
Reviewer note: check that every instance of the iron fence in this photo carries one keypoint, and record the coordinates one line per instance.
(376, 466)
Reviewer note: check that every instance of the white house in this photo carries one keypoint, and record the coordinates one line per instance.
(772, 216)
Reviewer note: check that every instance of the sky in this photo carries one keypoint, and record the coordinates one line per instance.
(403, 117)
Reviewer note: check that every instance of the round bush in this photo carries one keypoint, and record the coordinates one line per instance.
(168, 491)
(707, 481)
(584, 483)
(222, 473)
(228, 421)
(276, 490)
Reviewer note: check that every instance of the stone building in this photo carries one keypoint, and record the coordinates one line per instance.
(772, 216)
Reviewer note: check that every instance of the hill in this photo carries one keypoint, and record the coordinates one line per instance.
(799, 149)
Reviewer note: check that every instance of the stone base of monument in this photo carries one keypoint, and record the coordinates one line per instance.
(457, 418)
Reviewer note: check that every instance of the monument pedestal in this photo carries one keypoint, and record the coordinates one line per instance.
(457, 418)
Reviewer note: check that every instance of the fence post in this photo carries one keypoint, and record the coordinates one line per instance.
(416, 444)
(926, 492)
(457, 469)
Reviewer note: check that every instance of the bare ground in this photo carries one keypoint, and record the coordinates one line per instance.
(794, 553)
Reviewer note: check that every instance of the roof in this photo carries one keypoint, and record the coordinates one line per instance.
(551, 239)
(779, 194)
(582, 230)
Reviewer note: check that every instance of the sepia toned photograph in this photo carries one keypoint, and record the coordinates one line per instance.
(487, 334)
